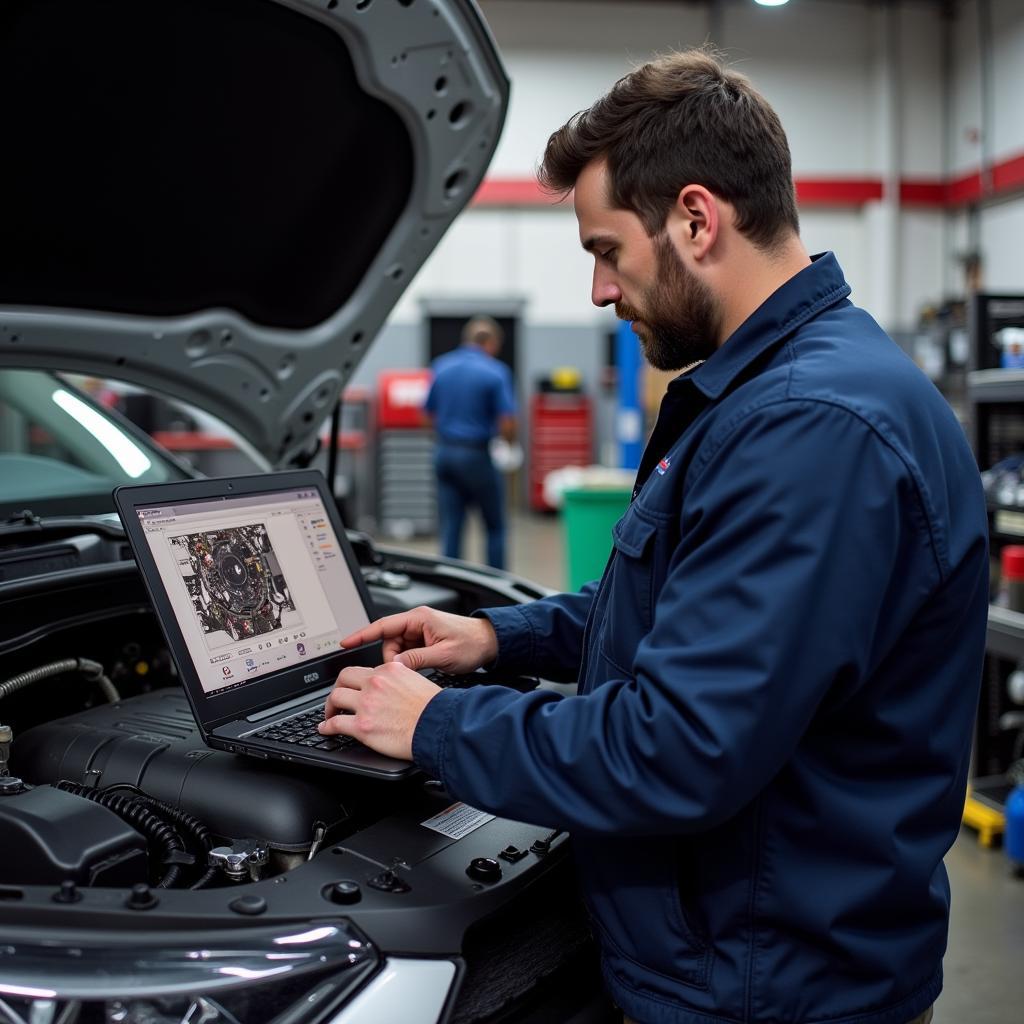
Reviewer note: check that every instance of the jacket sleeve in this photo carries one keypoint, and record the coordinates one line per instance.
(792, 532)
(544, 637)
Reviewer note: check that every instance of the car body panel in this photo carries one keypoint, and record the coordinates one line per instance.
(222, 200)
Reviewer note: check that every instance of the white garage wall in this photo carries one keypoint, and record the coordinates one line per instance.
(1000, 224)
(815, 63)
(965, 73)
(1002, 247)
(820, 65)
(859, 89)
(922, 144)
(1008, 67)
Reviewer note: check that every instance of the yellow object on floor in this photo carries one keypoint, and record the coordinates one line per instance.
(986, 821)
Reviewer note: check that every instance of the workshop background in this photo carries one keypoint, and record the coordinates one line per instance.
(906, 123)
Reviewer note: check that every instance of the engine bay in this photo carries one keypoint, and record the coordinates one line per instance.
(115, 815)
(148, 747)
(124, 748)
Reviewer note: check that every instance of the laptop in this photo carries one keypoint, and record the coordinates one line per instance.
(254, 584)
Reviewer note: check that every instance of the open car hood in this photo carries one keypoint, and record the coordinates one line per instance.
(222, 200)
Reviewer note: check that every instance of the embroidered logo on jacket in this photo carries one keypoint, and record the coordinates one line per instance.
(663, 466)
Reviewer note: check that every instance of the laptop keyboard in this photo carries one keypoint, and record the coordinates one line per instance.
(301, 729)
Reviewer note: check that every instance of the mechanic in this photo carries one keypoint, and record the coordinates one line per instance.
(779, 669)
(471, 401)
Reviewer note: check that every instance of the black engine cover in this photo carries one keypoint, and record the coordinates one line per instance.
(151, 742)
(50, 837)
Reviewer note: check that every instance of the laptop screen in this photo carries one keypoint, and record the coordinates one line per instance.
(258, 583)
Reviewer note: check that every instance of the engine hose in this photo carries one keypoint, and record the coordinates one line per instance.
(195, 831)
(133, 811)
(55, 668)
(92, 670)
(205, 879)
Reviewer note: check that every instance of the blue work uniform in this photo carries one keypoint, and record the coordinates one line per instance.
(778, 675)
(470, 393)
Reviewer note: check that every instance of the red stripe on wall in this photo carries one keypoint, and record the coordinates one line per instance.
(921, 192)
(1007, 177)
(513, 192)
(965, 189)
(837, 191)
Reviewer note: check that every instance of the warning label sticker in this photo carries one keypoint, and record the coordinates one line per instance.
(457, 821)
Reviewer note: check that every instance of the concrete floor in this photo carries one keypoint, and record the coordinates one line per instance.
(984, 965)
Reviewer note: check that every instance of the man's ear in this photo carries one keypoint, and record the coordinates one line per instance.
(697, 220)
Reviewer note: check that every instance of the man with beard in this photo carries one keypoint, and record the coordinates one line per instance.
(767, 757)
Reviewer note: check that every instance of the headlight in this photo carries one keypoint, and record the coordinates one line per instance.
(295, 975)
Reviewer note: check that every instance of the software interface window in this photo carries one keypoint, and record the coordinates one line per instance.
(257, 584)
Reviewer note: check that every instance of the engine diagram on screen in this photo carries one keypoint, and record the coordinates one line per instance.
(235, 583)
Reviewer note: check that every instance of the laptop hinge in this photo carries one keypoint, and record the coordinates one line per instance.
(259, 716)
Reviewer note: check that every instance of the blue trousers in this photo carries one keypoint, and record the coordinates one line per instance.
(467, 477)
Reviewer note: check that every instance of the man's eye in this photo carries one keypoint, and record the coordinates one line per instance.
(608, 254)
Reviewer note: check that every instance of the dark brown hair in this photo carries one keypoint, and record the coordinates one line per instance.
(679, 120)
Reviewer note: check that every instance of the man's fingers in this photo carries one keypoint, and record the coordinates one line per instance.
(340, 699)
(390, 627)
(354, 677)
(338, 725)
(391, 649)
(424, 657)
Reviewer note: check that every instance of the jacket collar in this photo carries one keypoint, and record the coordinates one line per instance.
(800, 299)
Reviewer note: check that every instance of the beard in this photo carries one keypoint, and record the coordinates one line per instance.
(680, 318)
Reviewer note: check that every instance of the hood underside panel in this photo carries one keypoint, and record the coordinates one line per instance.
(171, 214)
(222, 200)
(132, 204)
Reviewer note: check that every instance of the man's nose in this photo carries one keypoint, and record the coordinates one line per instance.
(604, 291)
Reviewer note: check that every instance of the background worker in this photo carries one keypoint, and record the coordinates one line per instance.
(470, 402)
(767, 757)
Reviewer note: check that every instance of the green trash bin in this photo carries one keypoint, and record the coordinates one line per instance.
(588, 515)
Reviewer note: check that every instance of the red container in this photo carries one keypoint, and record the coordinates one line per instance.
(1013, 576)
(400, 398)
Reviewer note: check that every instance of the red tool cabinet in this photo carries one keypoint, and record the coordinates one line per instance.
(561, 434)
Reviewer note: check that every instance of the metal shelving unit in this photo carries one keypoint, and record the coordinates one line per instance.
(1005, 637)
(995, 399)
(995, 386)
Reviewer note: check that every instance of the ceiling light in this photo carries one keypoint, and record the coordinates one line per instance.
(771, 3)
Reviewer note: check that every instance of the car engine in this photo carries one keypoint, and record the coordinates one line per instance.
(119, 788)
(142, 762)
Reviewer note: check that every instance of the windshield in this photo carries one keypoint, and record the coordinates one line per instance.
(61, 453)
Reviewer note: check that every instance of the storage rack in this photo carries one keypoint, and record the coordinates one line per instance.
(561, 434)
(405, 484)
(995, 399)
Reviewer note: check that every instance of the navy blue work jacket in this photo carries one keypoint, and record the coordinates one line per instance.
(778, 675)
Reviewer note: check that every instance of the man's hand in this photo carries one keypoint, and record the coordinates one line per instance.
(425, 638)
(384, 705)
